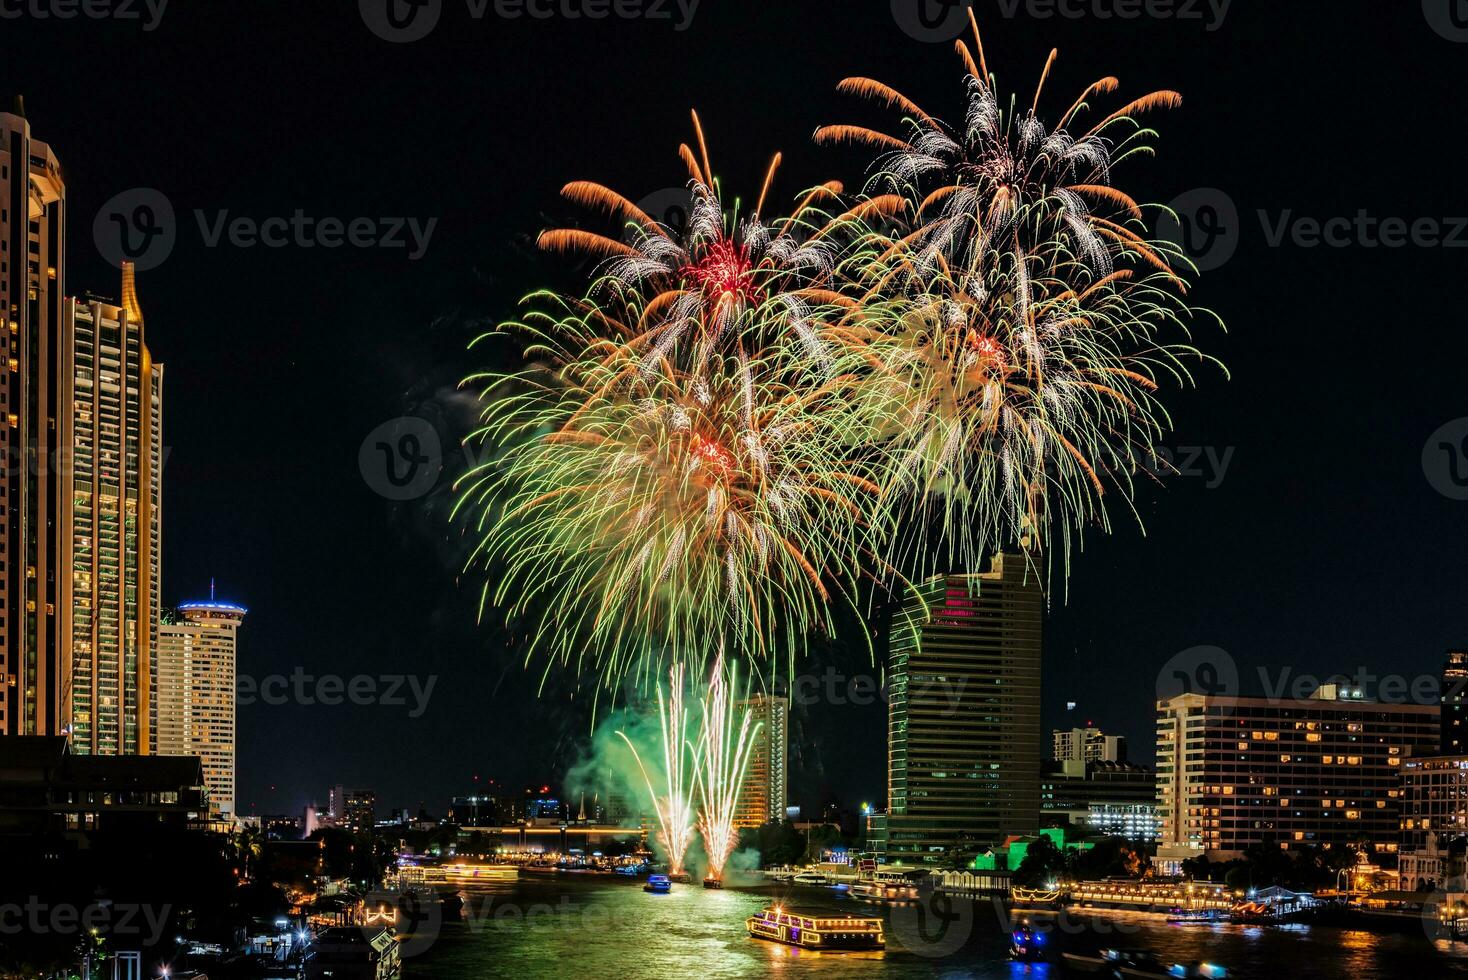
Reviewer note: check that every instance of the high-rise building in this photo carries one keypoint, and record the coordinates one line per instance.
(1088, 745)
(115, 433)
(34, 402)
(353, 809)
(196, 692)
(1434, 813)
(1453, 739)
(762, 795)
(964, 713)
(1236, 771)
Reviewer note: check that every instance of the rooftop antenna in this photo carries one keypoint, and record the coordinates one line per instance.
(211, 588)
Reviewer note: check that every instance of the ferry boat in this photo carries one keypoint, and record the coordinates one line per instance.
(658, 884)
(886, 886)
(816, 929)
(354, 954)
(1026, 945)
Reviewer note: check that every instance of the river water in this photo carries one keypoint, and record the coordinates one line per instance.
(581, 927)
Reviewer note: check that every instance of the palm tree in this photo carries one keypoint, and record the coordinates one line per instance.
(249, 844)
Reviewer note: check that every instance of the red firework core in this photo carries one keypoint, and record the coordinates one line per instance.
(725, 271)
(988, 348)
(711, 454)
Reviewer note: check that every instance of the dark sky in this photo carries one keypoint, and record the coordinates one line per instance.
(1324, 547)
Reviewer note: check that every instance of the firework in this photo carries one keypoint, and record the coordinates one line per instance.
(682, 464)
(673, 806)
(1015, 315)
(722, 755)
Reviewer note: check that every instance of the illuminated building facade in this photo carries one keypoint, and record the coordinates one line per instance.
(1236, 771)
(762, 795)
(1434, 810)
(34, 396)
(964, 713)
(353, 809)
(1101, 797)
(116, 436)
(1087, 745)
(196, 692)
(1454, 698)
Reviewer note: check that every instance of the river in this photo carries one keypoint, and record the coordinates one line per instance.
(584, 927)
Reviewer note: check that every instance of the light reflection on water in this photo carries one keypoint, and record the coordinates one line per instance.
(567, 928)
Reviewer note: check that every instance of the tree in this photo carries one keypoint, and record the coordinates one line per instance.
(1043, 861)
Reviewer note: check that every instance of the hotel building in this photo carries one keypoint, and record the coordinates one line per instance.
(762, 795)
(34, 401)
(1236, 771)
(1454, 698)
(1100, 797)
(964, 713)
(196, 692)
(81, 411)
(115, 432)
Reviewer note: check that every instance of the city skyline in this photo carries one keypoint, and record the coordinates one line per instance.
(1190, 566)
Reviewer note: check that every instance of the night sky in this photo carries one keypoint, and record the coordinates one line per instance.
(1324, 547)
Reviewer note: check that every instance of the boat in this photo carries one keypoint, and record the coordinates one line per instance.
(1142, 964)
(658, 885)
(817, 929)
(1026, 945)
(886, 886)
(1195, 916)
(345, 953)
(713, 883)
(811, 878)
(681, 878)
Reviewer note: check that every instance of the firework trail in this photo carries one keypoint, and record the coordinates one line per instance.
(673, 806)
(721, 757)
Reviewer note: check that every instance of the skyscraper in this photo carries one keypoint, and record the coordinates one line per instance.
(762, 795)
(196, 692)
(1087, 745)
(964, 713)
(114, 511)
(1454, 697)
(34, 393)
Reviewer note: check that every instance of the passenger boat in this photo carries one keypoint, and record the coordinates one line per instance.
(811, 878)
(1026, 945)
(658, 884)
(815, 929)
(354, 954)
(1195, 916)
(1142, 964)
(886, 886)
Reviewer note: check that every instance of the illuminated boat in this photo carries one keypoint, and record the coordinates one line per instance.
(1026, 945)
(886, 886)
(682, 877)
(713, 883)
(815, 929)
(658, 884)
